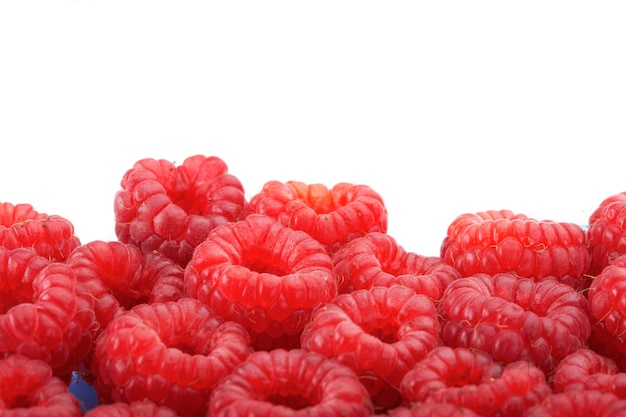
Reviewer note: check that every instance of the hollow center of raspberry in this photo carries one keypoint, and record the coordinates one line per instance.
(386, 333)
(126, 300)
(262, 262)
(293, 401)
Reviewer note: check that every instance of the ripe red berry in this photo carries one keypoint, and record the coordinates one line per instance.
(377, 259)
(380, 333)
(173, 353)
(587, 369)
(28, 388)
(263, 275)
(515, 318)
(474, 380)
(142, 408)
(588, 403)
(44, 312)
(290, 383)
(607, 232)
(119, 276)
(333, 215)
(171, 208)
(50, 236)
(606, 299)
(501, 241)
(432, 410)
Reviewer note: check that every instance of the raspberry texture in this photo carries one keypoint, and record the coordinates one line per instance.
(333, 215)
(380, 333)
(28, 388)
(171, 208)
(50, 236)
(473, 380)
(587, 369)
(432, 410)
(606, 299)
(515, 318)
(607, 232)
(119, 276)
(172, 353)
(290, 383)
(587, 403)
(377, 259)
(44, 312)
(143, 408)
(263, 275)
(493, 241)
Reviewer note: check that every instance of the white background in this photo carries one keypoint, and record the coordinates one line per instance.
(443, 107)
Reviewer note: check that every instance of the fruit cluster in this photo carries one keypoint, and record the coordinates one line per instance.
(297, 302)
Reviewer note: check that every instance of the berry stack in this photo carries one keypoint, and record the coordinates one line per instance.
(298, 302)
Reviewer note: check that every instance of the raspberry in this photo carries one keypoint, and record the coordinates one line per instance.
(607, 232)
(28, 388)
(377, 259)
(588, 403)
(500, 241)
(515, 318)
(290, 383)
(332, 216)
(380, 333)
(119, 276)
(587, 369)
(172, 208)
(143, 408)
(50, 236)
(473, 380)
(44, 312)
(606, 299)
(263, 275)
(432, 410)
(172, 353)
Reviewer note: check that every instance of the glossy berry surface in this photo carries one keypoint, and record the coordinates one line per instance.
(171, 208)
(515, 318)
(380, 333)
(172, 353)
(263, 275)
(332, 215)
(290, 383)
(495, 241)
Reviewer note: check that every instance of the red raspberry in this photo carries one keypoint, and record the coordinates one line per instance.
(172, 208)
(44, 312)
(50, 236)
(501, 241)
(588, 403)
(143, 408)
(432, 410)
(586, 369)
(472, 379)
(263, 275)
(171, 353)
(28, 388)
(332, 216)
(380, 333)
(290, 383)
(607, 232)
(515, 318)
(606, 299)
(119, 276)
(377, 259)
